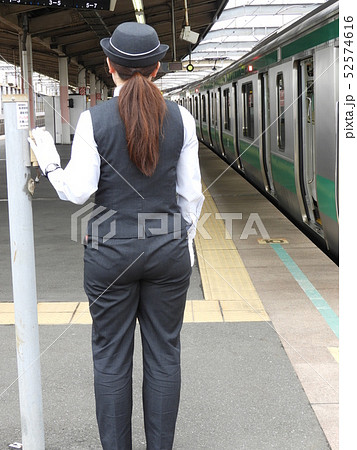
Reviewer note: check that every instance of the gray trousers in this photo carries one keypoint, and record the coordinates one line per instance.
(125, 280)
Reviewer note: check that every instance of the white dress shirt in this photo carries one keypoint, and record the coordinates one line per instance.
(79, 180)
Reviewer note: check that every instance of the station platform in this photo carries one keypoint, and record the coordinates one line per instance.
(259, 345)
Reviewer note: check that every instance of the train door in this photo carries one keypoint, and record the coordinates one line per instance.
(307, 143)
(205, 118)
(213, 114)
(220, 122)
(264, 115)
(228, 133)
(196, 109)
(236, 126)
(209, 116)
(200, 114)
(190, 106)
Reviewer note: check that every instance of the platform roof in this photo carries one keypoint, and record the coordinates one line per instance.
(227, 30)
(76, 33)
(240, 27)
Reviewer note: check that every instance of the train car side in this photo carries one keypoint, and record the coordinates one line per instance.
(273, 116)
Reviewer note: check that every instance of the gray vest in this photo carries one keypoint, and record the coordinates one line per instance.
(130, 204)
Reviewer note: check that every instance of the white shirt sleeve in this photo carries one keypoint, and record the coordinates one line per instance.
(188, 185)
(79, 180)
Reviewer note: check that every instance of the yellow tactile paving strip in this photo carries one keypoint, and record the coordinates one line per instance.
(65, 313)
(229, 293)
(228, 290)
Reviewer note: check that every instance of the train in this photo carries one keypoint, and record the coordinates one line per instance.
(273, 117)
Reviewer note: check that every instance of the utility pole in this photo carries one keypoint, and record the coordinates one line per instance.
(20, 189)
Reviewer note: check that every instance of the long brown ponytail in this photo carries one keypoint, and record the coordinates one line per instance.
(142, 109)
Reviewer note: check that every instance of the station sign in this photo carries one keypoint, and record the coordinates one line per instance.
(106, 5)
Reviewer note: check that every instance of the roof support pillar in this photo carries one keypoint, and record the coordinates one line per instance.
(26, 75)
(173, 26)
(63, 78)
(105, 92)
(98, 90)
(92, 89)
(82, 82)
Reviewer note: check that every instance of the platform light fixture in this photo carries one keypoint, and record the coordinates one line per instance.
(186, 33)
(139, 11)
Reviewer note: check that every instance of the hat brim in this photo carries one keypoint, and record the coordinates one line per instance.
(133, 61)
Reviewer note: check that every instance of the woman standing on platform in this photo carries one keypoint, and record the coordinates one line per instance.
(139, 154)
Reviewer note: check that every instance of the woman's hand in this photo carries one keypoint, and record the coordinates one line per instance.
(44, 148)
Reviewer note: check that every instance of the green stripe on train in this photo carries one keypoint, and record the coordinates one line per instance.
(249, 153)
(228, 144)
(326, 196)
(283, 172)
(213, 134)
(323, 34)
(205, 134)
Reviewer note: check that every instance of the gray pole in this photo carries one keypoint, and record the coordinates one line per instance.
(173, 29)
(23, 270)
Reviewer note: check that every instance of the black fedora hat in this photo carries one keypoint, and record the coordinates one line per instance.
(134, 45)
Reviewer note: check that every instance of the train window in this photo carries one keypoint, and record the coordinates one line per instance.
(248, 110)
(281, 110)
(190, 105)
(196, 108)
(227, 118)
(204, 115)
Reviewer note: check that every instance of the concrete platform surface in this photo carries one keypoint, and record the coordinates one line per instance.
(266, 380)
(239, 391)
